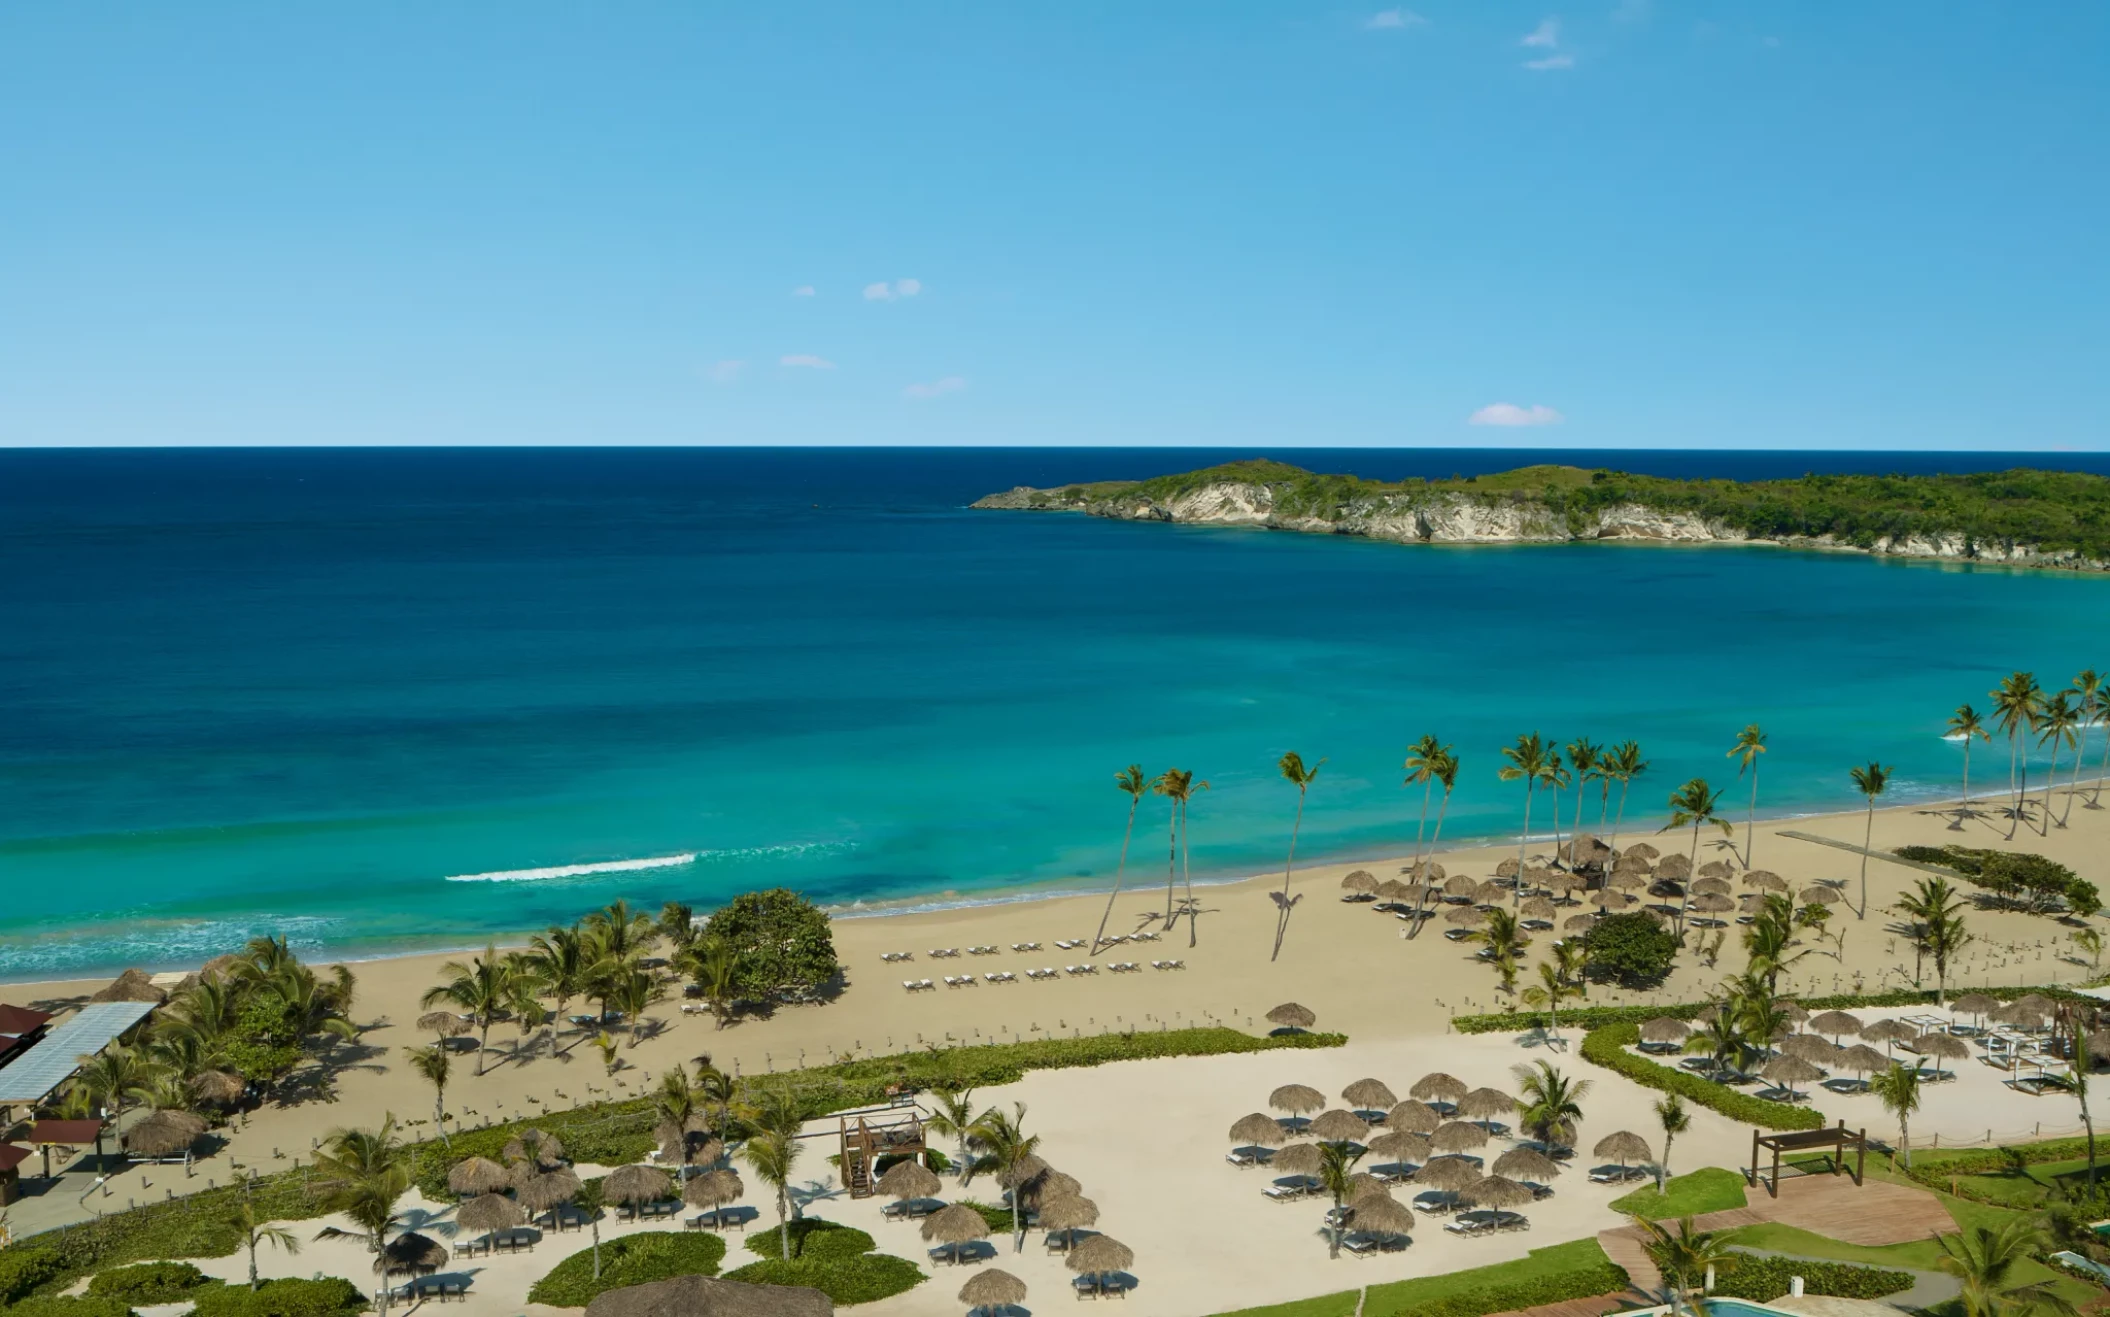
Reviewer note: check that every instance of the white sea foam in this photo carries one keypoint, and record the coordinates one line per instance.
(574, 870)
(152, 943)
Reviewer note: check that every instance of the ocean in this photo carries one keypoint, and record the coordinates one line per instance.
(383, 700)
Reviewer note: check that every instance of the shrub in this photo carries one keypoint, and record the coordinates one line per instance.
(782, 941)
(1632, 950)
(630, 1260)
(2029, 880)
(1606, 1046)
(331, 1296)
(60, 1305)
(23, 1268)
(149, 1282)
(860, 1279)
(998, 1218)
(812, 1239)
(1591, 1017)
(1607, 1278)
(1762, 1279)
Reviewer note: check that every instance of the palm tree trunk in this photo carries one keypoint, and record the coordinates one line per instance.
(1187, 881)
(1172, 858)
(1428, 784)
(2014, 819)
(1100, 936)
(1867, 836)
(783, 1225)
(1282, 918)
(2051, 781)
(2095, 798)
(2073, 785)
(1619, 819)
(1421, 907)
(1966, 781)
(1663, 1169)
(1517, 892)
(1751, 817)
(483, 1040)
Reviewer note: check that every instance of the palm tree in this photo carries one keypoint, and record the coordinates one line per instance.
(1551, 1103)
(632, 990)
(621, 932)
(1553, 988)
(1695, 803)
(1985, 1258)
(2084, 1063)
(1296, 774)
(1898, 1089)
(563, 963)
(2016, 703)
(1177, 786)
(117, 1075)
(1871, 782)
(1684, 1257)
(1625, 764)
(1583, 755)
(1337, 1177)
(2095, 707)
(1003, 1145)
(1554, 779)
(254, 1231)
(1770, 939)
(485, 987)
(677, 925)
(363, 1174)
(433, 1064)
(1528, 760)
(772, 1150)
(953, 1119)
(1130, 782)
(1750, 744)
(1672, 1116)
(714, 964)
(2059, 724)
(717, 1088)
(1422, 759)
(1965, 724)
(1505, 941)
(1720, 1039)
(1936, 916)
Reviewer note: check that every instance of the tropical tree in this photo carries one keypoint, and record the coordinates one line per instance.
(1986, 1258)
(953, 1119)
(1446, 772)
(2084, 1062)
(713, 963)
(1871, 781)
(2095, 701)
(1624, 764)
(1964, 725)
(632, 990)
(1750, 744)
(1337, 1177)
(485, 988)
(1550, 1103)
(1695, 804)
(676, 926)
(1720, 1039)
(1583, 755)
(2017, 701)
(1178, 787)
(1528, 761)
(253, 1231)
(1002, 1146)
(563, 960)
(363, 1174)
(716, 1088)
(1504, 936)
(1770, 939)
(434, 1065)
(620, 932)
(772, 1149)
(1423, 759)
(1672, 1116)
(1935, 914)
(1555, 779)
(1554, 987)
(116, 1076)
(1684, 1257)
(1130, 782)
(2058, 725)
(1898, 1089)
(1301, 777)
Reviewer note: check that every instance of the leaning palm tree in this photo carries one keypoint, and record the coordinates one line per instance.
(1301, 777)
(772, 1150)
(953, 1119)
(254, 1230)
(1336, 1176)
(2059, 725)
(1672, 1116)
(1505, 940)
(1130, 782)
(1583, 755)
(434, 1065)
(1987, 1258)
(1898, 1089)
(116, 1076)
(563, 960)
(1550, 1103)
(1554, 779)
(1964, 725)
(1695, 803)
(1444, 768)
(1422, 759)
(2095, 706)
(363, 1174)
(1871, 782)
(1684, 1257)
(1750, 744)
(2079, 1083)
(1003, 1148)
(485, 987)
(1625, 764)
(1528, 761)
(2017, 701)
(1178, 787)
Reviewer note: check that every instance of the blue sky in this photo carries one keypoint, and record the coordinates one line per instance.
(1865, 225)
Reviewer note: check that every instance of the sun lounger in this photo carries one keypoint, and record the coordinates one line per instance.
(1168, 964)
(1067, 943)
(1143, 937)
(1086, 968)
(1618, 1174)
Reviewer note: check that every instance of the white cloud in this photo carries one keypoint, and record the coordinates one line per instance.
(936, 388)
(1508, 413)
(806, 359)
(887, 292)
(1394, 19)
(908, 287)
(724, 372)
(1546, 35)
(803, 290)
(1550, 62)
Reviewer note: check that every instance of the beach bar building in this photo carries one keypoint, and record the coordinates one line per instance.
(34, 1073)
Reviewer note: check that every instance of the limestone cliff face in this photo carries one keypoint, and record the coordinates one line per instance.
(1450, 517)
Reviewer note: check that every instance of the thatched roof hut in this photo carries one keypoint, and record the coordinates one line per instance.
(1665, 1029)
(1380, 1214)
(1622, 1147)
(411, 1254)
(1296, 1099)
(1290, 1015)
(991, 1288)
(1401, 1145)
(132, 985)
(478, 1175)
(1099, 1255)
(487, 1213)
(1369, 1095)
(443, 1024)
(1413, 1117)
(164, 1134)
(218, 1087)
(1447, 1173)
(637, 1185)
(1526, 1164)
(1496, 1191)
(1437, 1087)
(912, 1179)
(1256, 1130)
(1459, 1136)
(1486, 1104)
(1339, 1126)
(545, 1150)
(957, 1224)
(1835, 1023)
(550, 1189)
(1361, 881)
(1298, 1159)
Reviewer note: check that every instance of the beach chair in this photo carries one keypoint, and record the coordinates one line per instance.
(909, 984)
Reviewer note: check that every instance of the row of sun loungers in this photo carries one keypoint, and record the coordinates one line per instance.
(1039, 975)
(1025, 946)
(991, 949)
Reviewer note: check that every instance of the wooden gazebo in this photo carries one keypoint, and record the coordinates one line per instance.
(1836, 1138)
(865, 1141)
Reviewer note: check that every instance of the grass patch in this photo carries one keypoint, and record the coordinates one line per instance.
(1712, 1189)
(1574, 1270)
(811, 1238)
(630, 1260)
(861, 1279)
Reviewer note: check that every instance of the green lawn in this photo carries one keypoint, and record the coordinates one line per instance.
(1405, 1295)
(1710, 1189)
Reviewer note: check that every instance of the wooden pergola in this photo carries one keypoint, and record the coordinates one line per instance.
(1836, 1138)
(864, 1142)
(44, 1135)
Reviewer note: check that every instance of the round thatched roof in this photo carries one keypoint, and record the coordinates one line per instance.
(1889, 1031)
(1526, 1164)
(1459, 1136)
(1292, 1016)
(2021, 1011)
(1581, 923)
(1466, 916)
(445, 1024)
(1069, 1212)
(1973, 1003)
(1675, 867)
(1338, 1126)
(1401, 1145)
(1538, 907)
(546, 1150)
(132, 985)
(1496, 1191)
(411, 1252)
(1490, 893)
(1623, 1146)
(1508, 868)
(1437, 1087)
(1369, 1095)
(478, 1175)
(164, 1134)
(1392, 889)
(1427, 871)
(218, 1086)
(1296, 1099)
(1413, 1117)
(488, 1212)
(1790, 1070)
(1023, 1171)
(1861, 1059)
(990, 1288)
(1298, 1159)
(1664, 1029)
(1458, 884)
(912, 1179)
(1362, 880)
(1257, 1129)
(637, 1184)
(1486, 1103)
(1716, 869)
(1820, 896)
(957, 1224)
(1052, 1184)
(1765, 880)
(1381, 1214)
(1100, 1254)
(539, 1193)
(1609, 899)
(1447, 1173)
(1947, 1046)
(1835, 1023)
(1811, 1048)
(1714, 886)
(713, 1189)
(1712, 903)
(1567, 882)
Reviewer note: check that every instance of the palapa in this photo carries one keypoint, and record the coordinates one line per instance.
(1811, 1048)
(1623, 1146)
(1381, 1214)
(164, 1134)
(1628, 880)
(478, 1175)
(1538, 907)
(1794, 1011)
(1712, 903)
(1427, 871)
(1717, 886)
(1392, 889)
(544, 1149)
(1973, 1004)
(1256, 1130)
(1052, 1184)
(1486, 1103)
(1466, 916)
(911, 1179)
(1299, 1159)
(1362, 1184)
(636, 1185)
(1449, 1174)
(1292, 1016)
(132, 985)
(957, 1224)
(1567, 882)
(1362, 880)
(1369, 1095)
(1458, 885)
(411, 1253)
(1788, 1071)
(1861, 1059)
(1496, 1191)
(1664, 1029)
(1490, 893)
(1765, 880)
(2021, 1012)
(486, 1213)
(713, 1189)
(550, 1189)
(1296, 1099)
(219, 1087)
(1338, 1126)
(1022, 1172)
(1716, 869)
(1413, 1117)
(705, 1296)
(1459, 1136)
(1641, 850)
(1401, 1145)
(1101, 1254)
(1942, 1045)
(991, 1288)
(1070, 1212)
(1437, 1087)
(1889, 1031)
(1675, 867)
(1820, 895)
(1526, 1164)
(1507, 868)
(1835, 1023)
(1581, 923)
(1609, 899)
(446, 1024)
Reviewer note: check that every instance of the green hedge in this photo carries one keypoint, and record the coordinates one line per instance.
(331, 1296)
(1762, 1279)
(149, 1282)
(60, 1305)
(812, 1239)
(1592, 1017)
(860, 1279)
(630, 1260)
(23, 1268)
(1609, 1278)
(1607, 1046)
(999, 1218)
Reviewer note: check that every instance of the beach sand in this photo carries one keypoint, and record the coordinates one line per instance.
(1206, 1241)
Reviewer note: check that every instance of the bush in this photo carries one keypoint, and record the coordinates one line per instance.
(23, 1268)
(812, 1239)
(1763, 1279)
(860, 1279)
(331, 1296)
(149, 1282)
(1632, 950)
(1589, 1282)
(630, 1260)
(782, 941)
(999, 1219)
(2029, 880)
(1607, 1046)
(1592, 1017)
(59, 1305)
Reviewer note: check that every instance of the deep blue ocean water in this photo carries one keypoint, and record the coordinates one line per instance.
(307, 691)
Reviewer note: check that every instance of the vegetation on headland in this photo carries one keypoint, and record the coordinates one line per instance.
(2045, 512)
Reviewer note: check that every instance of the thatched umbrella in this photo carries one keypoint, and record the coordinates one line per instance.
(1361, 1185)
(445, 1024)
(1507, 868)
(1362, 880)
(1538, 907)
(1100, 1254)
(1448, 1174)
(132, 985)
(1942, 1046)
(411, 1254)
(636, 1185)
(1052, 1184)
(1861, 1059)
(1401, 1145)
(2022, 1013)
(1496, 1191)
(1338, 1126)
(1765, 880)
(1641, 850)
(1255, 1131)
(1484, 1104)
(1674, 867)
(1788, 1071)
(1608, 899)
(1392, 889)
(1809, 1047)
(1628, 880)
(1466, 916)
(911, 1179)
(548, 1191)
(219, 1087)
(532, 1144)
(1292, 1016)
(1413, 1117)
(1622, 1147)
(1973, 1004)
(1458, 886)
(991, 1288)
(1459, 1136)
(1437, 1087)
(1023, 1172)
(487, 1214)
(953, 1226)
(1490, 893)
(1718, 886)
(1567, 882)
(1296, 1099)
(478, 1175)
(1381, 1214)
(1820, 896)
(1068, 1214)
(1664, 1029)
(1299, 1159)
(1581, 923)
(1889, 1033)
(1427, 871)
(1715, 869)
(1369, 1095)
(1712, 903)
(164, 1134)
(713, 1190)
(1835, 1023)
(1526, 1164)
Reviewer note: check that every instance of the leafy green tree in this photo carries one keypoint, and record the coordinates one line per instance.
(116, 1076)
(1898, 1089)
(1684, 1256)
(620, 932)
(715, 967)
(1130, 783)
(1934, 918)
(2017, 702)
(1297, 774)
(363, 1174)
(484, 988)
(1550, 1104)
(1630, 949)
(953, 1118)
(1672, 1116)
(1750, 744)
(2058, 725)
(772, 1150)
(1695, 803)
(1871, 781)
(2083, 1065)
(1423, 757)
(1721, 1039)
(1553, 988)
(434, 1065)
(564, 960)
(2094, 691)
(1966, 725)
(782, 941)
(1504, 937)
(1583, 754)
(1337, 1177)
(1986, 1258)
(676, 926)
(1001, 1147)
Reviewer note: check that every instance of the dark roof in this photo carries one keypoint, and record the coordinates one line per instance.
(72, 1133)
(700, 1296)
(13, 1155)
(19, 1020)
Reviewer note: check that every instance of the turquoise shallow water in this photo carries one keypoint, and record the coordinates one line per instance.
(307, 692)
